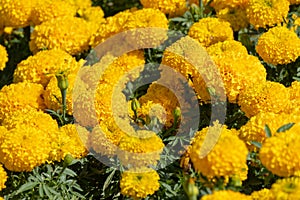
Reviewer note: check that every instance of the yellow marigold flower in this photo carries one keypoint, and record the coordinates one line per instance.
(264, 13)
(267, 97)
(140, 149)
(278, 46)
(221, 4)
(171, 7)
(208, 31)
(77, 138)
(18, 96)
(294, 90)
(70, 34)
(236, 16)
(264, 194)
(220, 162)
(287, 189)
(23, 148)
(92, 14)
(52, 95)
(239, 72)
(3, 178)
(41, 67)
(182, 56)
(3, 57)
(225, 195)
(45, 10)
(15, 13)
(139, 183)
(227, 48)
(280, 153)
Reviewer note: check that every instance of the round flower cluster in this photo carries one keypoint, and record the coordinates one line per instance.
(263, 194)
(208, 31)
(225, 195)
(254, 129)
(266, 13)
(267, 97)
(3, 177)
(278, 45)
(68, 33)
(41, 67)
(12, 98)
(139, 183)
(287, 188)
(170, 7)
(3, 57)
(280, 153)
(218, 162)
(236, 4)
(237, 17)
(140, 149)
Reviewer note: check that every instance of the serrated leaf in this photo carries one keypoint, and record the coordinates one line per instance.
(26, 186)
(108, 180)
(285, 127)
(257, 144)
(268, 131)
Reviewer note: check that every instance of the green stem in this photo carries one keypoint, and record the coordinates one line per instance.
(64, 104)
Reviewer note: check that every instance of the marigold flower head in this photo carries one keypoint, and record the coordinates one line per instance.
(264, 13)
(225, 195)
(139, 183)
(3, 177)
(41, 67)
(23, 148)
(287, 188)
(267, 97)
(70, 34)
(15, 13)
(263, 194)
(208, 31)
(18, 96)
(171, 7)
(278, 45)
(3, 57)
(280, 153)
(218, 162)
(45, 10)
(140, 149)
(237, 17)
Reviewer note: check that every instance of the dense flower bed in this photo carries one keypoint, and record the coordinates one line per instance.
(206, 108)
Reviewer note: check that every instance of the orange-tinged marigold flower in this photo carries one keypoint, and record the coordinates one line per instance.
(139, 183)
(208, 31)
(171, 7)
(3, 57)
(41, 67)
(278, 45)
(266, 13)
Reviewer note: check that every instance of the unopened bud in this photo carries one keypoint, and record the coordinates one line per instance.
(62, 80)
(135, 104)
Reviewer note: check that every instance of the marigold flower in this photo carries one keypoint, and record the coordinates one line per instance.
(139, 183)
(140, 149)
(80, 3)
(18, 96)
(287, 188)
(45, 10)
(41, 67)
(278, 46)
(23, 148)
(264, 13)
(3, 177)
(280, 153)
(70, 34)
(236, 16)
(263, 194)
(3, 57)
(218, 162)
(171, 7)
(254, 129)
(15, 13)
(208, 31)
(225, 195)
(294, 90)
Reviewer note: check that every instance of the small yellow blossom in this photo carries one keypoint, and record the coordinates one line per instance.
(226, 195)
(263, 194)
(287, 189)
(237, 17)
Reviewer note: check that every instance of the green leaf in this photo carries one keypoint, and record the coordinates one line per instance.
(26, 186)
(41, 192)
(285, 127)
(268, 131)
(257, 144)
(108, 180)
